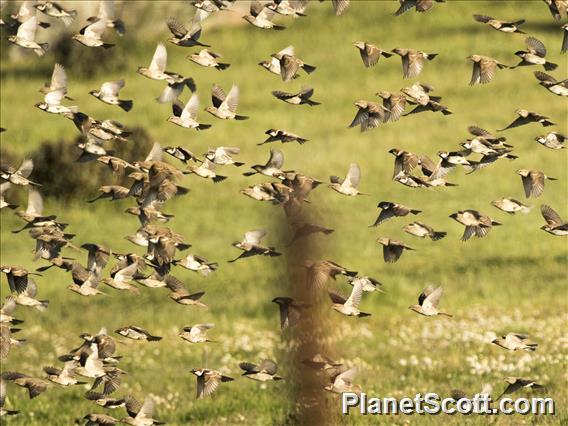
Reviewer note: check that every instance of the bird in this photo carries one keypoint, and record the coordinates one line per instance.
(207, 58)
(121, 279)
(263, 372)
(390, 210)
(564, 47)
(368, 284)
(20, 175)
(107, 12)
(510, 205)
(527, 117)
(290, 311)
(283, 136)
(206, 170)
(290, 66)
(350, 184)
(6, 311)
(6, 340)
(420, 5)
(484, 69)
(225, 106)
(343, 382)
(196, 333)
(350, 306)
(503, 26)
(140, 414)
(405, 162)
(533, 182)
(137, 333)
(318, 272)
(94, 419)
(303, 230)
(186, 116)
(369, 115)
(157, 68)
(197, 263)
(26, 35)
(109, 94)
(515, 342)
(413, 61)
(370, 54)
(272, 168)
(555, 225)
(547, 81)
(182, 154)
(55, 10)
(395, 103)
(91, 35)
(222, 155)
(534, 55)
(300, 98)
(392, 249)
(293, 8)
(208, 381)
(18, 278)
(485, 136)
(428, 302)
(181, 295)
(515, 384)
(58, 81)
(63, 376)
(4, 412)
(52, 103)
(261, 17)
(273, 65)
(250, 246)
(34, 385)
(421, 230)
(552, 140)
(475, 223)
(182, 36)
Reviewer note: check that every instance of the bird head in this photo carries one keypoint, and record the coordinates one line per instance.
(359, 44)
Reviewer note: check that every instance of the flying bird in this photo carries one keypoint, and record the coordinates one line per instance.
(370, 54)
(109, 94)
(555, 225)
(428, 302)
(225, 106)
(413, 61)
(533, 182)
(392, 249)
(484, 69)
(499, 25)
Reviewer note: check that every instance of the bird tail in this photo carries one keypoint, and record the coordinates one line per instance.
(107, 45)
(95, 199)
(44, 25)
(312, 103)
(241, 117)
(301, 140)
(214, 266)
(526, 209)
(118, 25)
(219, 178)
(203, 126)
(364, 314)
(43, 305)
(551, 178)
(278, 27)
(238, 163)
(125, 105)
(309, 68)
(438, 236)
(431, 56)
(222, 67)
(547, 123)
(445, 314)
(549, 66)
(154, 338)
(415, 211)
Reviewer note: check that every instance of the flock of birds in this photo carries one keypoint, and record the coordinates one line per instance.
(155, 181)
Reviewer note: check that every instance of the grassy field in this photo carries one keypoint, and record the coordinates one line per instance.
(513, 280)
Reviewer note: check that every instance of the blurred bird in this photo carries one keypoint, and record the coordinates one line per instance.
(58, 81)
(300, 98)
(207, 58)
(290, 311)
(368, 284)
(6, 340)
(428, 302)
(20, 175)
(251, 246)
(263, 372)
(370, 54)
(290, 66)
(52, 103)
(555, 225)
(63, 376)
(318, 272)
(225, 106)
(181, 35)
(137, 333)
(420, 5)
(511, 206)
(107, 12)
(182, 154)
(95, 419)
(34, 385)
(25, 37)
(552, 140)
(349, 307)
(196, 333)
(395, 103)
(559, 88)
(343, 382)
(55, 10)
(404, 162)
(197, 263)
(140, 414)
(272, 168)
(421, 230)
(206, 170)
(527, 117)
(350, 184)
(534, 55)
(533, 182)
(273, 65)
(208, 381)
(121, 279)
(503, 26)
(390, 210)
(157, 68)
(293, 8)
(109, 94)
(475, 223)
(4, 187)
(4, 412)
(223, 155)
(413, 61)
(91, 35)
(261, 17)
(181, 295)
(186, 116)
(558, 8)
(303, 230)
(517, 383)
(392, 249)
(515, 342)
(484, 69)
(6, 311)
(282, 136)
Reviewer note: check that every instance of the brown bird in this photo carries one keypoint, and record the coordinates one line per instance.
(34, 386)
(413, 60)
(484, 69)
(404, 162)
(390, 210)
(290, 65)
(517, 383)
(421, 230)
(392, 249)
(534, 55)
(555, 225)
(547, 81)
(208, 381)
(503, 26)
(300, 98)
(181, 295)
(369, 115)
(510, 205)
(420, 5)
(527, 117)
(290, 311)
(428, 302)
(370, 54)
(475, 223)
(395, 103)
(251, 246)
(318, 272)
(533, 182)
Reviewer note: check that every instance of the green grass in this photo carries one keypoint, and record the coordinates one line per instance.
(513, 280)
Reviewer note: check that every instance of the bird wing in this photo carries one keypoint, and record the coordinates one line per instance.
(190, 110)
(475, 74)
(339, 6)
(232, 100)
(58, 77)
(353, 176)
(346, 377)
(211, 384)
(287, 51)
(551, 217)
(147, 409)
(174, 284)
(337, 298)
(31, 289)
(289, 66)
(96, 29)
(111, 88)
(26, 167)
(527, 185)
(487, 68)
(254, 237)
(255, 8)
(478, 131)
(544, 77)
(176, 28)
(132, 405)
(535, 46)
(217, 96)
(482, 18)
(276, 159)
(356, 293)
(28, 29)
(361, 117)
(160, 59)
(414, 65)
(55, 97)
(519, 121)
(126, 274)
(35, 201)
(370, 55)
(155, 153)
(268, 366)
(432, 300)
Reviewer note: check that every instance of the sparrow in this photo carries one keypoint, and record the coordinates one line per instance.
(282, 136)
(534, 55)
(272, 168)
(290, 66)
(475, 223)
(34, 386)
(421, 230)
(121, 279)
(58, 81)
(349, 185)
(208, 381)
(517, 383)
(18, 278)
(343, 382)
(404, 162)
(20, 175)
(55, 10)
(94, 419)
(186, 116)
(25, 37)
(91, 35)
(106, 12)
(263, 372)
(559, 88)
(52, 103)
(533, 182)
(261, 17)
(182, 36)
(206, 170)
(182, 154)
(484, 69)
(273, 65)
(370, 54)
(225, 106)
(552, 140)
(349, 307)
(487, 137)
(197, 263)
(392, 249)
(137, 333)
(157, 68)
(510, 205)
(368, 284)
(109, 94)
(558, 8)
(318, 272)
(428, 302)
(420, 5)
(390, 210)
(222, 155)
(181, 295)
(526, 117)
(290, 311)
(303, 230)
(196, 333)
(515, 342)
(207, 58)
(395, 103)
(251, 246)
(63, 376)
(555, 225)
(369, 115)
(413, 60)
(300, 98)
(503, 26)
(140, 414)
(293, 8)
